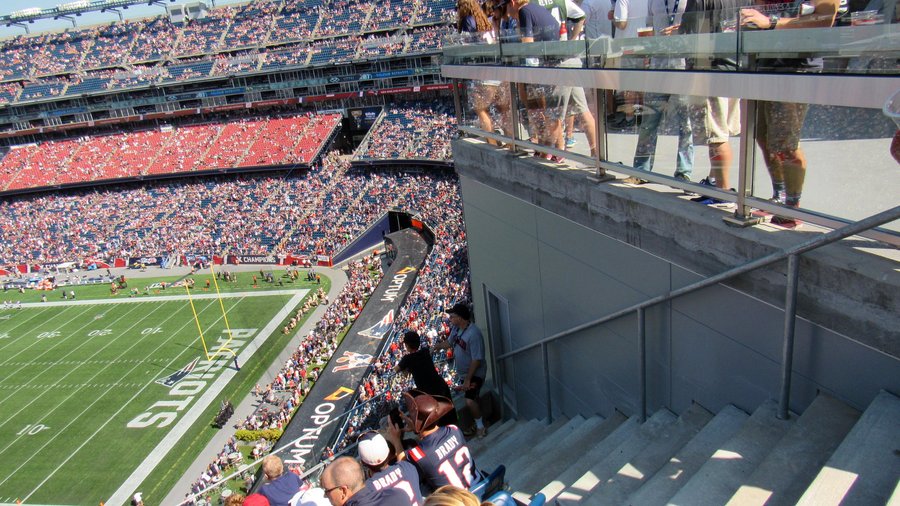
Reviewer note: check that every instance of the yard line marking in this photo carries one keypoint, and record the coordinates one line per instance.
(96, 400)
(190, 417)
(53, 347)
(72, 370)
(100, 350)
(161, 298)
(19, 324)
(56, 342)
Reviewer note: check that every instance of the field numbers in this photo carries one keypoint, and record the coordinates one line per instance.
(100, 332)
(151, 330)
(49, 335)
(32, 430)
(4, 335)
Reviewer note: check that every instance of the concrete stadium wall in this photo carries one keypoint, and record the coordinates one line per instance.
(559, 250)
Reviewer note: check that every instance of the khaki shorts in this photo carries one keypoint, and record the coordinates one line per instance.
(573, 100)
(723, 119)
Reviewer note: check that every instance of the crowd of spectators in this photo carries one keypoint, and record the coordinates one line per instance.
(411, 131)
(314, 212)
(244, 141)
(224, 29)
(278, 400)
(251, 25)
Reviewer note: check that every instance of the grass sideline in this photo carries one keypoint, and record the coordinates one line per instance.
(50, 382)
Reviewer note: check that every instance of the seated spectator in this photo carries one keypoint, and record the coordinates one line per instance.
(441, 457)
(281, 487)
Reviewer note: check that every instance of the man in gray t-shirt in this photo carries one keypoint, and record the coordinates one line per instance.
(468, 354)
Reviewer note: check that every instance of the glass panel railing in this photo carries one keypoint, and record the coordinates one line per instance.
(715, 40)
(834, 162)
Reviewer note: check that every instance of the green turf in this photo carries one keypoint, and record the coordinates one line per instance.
(243, 282)
(74, 377)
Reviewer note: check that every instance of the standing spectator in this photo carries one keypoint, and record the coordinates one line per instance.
(721, 115)
(472, 21)
(665, 17)
(779, 123)
(419, 363)
(468, 351)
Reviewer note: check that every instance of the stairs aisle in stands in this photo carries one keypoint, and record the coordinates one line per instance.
(829, 455)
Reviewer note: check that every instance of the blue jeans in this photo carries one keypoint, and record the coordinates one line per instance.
(655, 106)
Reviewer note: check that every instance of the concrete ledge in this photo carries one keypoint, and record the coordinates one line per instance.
(842, 287)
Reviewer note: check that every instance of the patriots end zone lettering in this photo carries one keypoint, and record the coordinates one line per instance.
(189, 381)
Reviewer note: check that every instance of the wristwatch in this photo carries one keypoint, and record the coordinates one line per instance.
(773, 21)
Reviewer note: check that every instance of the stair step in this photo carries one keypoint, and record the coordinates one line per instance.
(662, 445)
(501, 436)
(681, 467)
(864, 468)
(537, 451)
(494, 432)
(719, 478)
(531, 479)
(504, 450)
(786, 472)
(602, 470)
(624, 431)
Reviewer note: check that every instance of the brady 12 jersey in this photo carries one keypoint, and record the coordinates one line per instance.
(398, 485)
(442, 458)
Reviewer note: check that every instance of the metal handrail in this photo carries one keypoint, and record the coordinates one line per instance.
(792, 254)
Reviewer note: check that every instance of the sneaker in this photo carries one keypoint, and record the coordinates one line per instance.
(570, 142)
(474, 432)
(682, 177)
(634, 180)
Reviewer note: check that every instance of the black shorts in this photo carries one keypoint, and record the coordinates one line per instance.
(473, 392)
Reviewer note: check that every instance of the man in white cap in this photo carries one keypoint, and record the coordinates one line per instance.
(344, 482)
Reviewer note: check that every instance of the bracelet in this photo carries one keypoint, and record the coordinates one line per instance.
(773, 21)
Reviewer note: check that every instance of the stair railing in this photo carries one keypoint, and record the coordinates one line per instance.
(792, 254)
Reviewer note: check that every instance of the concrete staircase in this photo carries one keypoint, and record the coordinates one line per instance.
(827, 456)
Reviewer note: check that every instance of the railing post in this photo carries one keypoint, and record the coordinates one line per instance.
(642, 363)
(546, 357)
(498, 375)
(790, 319)
(513, 115)
(457, 103)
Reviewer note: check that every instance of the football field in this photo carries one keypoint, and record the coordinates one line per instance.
(94, 394)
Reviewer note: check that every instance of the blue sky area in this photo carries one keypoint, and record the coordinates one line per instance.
(88, 19)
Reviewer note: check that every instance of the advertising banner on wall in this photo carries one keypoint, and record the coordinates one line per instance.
(336, 388)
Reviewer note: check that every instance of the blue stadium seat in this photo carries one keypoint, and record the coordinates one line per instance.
(490, 485)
